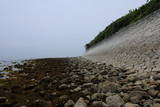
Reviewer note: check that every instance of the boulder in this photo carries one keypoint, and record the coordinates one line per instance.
(131, 105)
(114, 101)
(81, 103)
(136, 96)
(108, 86)
(99, 104)
(98, 96)
(152, 92)
(63, 86)
(69, 103)
(156, 105)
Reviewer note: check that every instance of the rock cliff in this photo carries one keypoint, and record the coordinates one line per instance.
(136, 46)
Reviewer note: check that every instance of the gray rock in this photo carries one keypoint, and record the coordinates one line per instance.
(156, 77)
(158, 95)
(23, 106)
(104, 72)
(81, 103)
(75, 76)
(131, 105)
(135, 99)
(63, 86)
(99, 104)
(45, 80)
(136, 96)
(126, 97)
(72, 84)
(69, 103)
(53, 94)
(100, 77)
(114, 101)
(89, 77)
(64, 98)
(54, 81)
(156, 105)
(109, 94)
(77, 89)
(131, 79)
(152, 92)
(87, 84)
(147, 103)
(138, 83)
(88, 97)
(156, 100)
(98, 96)
(38, 103)
(108, 86)
(86, 92)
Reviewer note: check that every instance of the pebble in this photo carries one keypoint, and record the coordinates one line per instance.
(108, 86)
(98, 96)
(136, 96)
(156, 105)
(69, 103)
(63, 98)
(63, 86)
(153, 92)
(156, 100)
(131, 105)
(77, 89)
(81, 103)
(115, 101)
(99, 104)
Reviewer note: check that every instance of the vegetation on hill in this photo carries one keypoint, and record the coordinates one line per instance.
(131, 17)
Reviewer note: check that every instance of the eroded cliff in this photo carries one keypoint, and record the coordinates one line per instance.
(136, 46)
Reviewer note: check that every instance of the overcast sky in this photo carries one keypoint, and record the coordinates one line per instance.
(55, 28)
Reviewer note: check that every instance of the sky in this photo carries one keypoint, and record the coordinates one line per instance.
(55, 28)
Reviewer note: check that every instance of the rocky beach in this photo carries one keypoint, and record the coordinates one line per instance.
(119, 67)
(77, 82)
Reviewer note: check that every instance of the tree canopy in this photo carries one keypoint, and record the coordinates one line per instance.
(131, 17)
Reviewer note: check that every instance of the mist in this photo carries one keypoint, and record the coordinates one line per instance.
(54, 28)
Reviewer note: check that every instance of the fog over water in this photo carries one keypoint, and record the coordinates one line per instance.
(55, 28)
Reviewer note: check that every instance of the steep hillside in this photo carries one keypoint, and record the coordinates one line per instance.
(136, 46)
(132, 17)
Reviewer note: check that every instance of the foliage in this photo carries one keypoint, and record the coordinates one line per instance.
(131, 17)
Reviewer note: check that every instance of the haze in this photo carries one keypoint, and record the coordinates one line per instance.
(55, 28)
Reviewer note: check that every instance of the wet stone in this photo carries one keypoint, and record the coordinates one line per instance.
(153, 92)
(131, 105)
(137, 96)
(63, 86)
(156, 105)
(98, 96)
(99, 104)
(81, 103)
(69, 103)
(114, 101)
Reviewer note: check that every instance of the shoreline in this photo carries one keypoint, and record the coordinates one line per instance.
(75, 82)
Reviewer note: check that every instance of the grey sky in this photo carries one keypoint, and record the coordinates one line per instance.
(55, 28)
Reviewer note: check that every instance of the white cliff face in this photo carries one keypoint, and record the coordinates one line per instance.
(136, 46)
